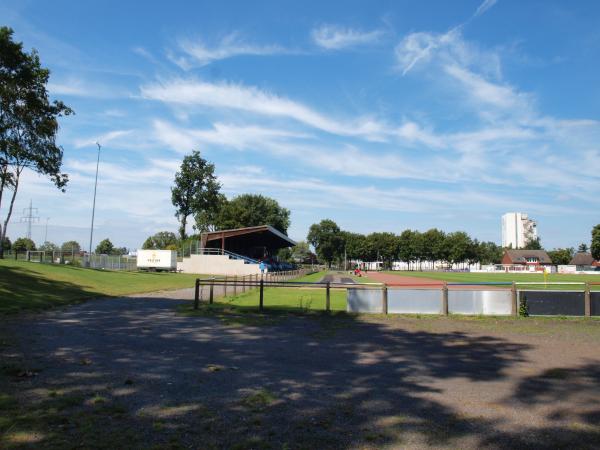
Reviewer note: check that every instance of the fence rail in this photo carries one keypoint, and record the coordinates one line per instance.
(449, 298)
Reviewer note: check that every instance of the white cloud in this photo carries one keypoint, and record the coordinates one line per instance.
(103, 139)
(199, 53)
(334, 37)
(485, 5)
(253, 100)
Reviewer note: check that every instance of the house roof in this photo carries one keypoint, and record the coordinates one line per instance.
(582, 259)
(521, 256)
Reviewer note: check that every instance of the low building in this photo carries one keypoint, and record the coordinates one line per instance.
(526, 258)
(584, 261)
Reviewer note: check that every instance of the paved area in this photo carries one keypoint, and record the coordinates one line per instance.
(251, 381)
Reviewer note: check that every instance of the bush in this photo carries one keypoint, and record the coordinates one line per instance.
(523, 307)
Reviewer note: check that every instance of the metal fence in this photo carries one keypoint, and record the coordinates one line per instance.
(501, 299)
(106, 262)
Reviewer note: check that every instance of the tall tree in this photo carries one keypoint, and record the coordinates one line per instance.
(160, 240)
(249, 210)
(561, 256)
(48, 246)
(195, 191)
(71, 246)
(534, 244)
(327, 240)
(28, 122)
(355, 245)
(583, 248)
(595, 247)
(383, 247)
(105, 247)
(301, 252)
(406, 244)
(23, 244)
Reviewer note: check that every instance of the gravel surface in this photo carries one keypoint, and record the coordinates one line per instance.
(311, 381)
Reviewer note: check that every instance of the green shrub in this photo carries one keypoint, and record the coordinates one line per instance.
(523, 307)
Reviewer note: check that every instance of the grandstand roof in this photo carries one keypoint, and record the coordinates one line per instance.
(239, 238)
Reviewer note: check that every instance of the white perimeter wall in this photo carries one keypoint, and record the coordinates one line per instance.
(216, 265)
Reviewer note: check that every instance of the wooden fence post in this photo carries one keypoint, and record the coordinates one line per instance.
(384, 300)
(327, 298)
(197, 294)
(235, 285)
(211, 293)
(588, 300)
(225, 287)
(514, 307)
(260, 305)
(445, 299)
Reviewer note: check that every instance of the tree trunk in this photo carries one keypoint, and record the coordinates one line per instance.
(182, 227)
(9, 213)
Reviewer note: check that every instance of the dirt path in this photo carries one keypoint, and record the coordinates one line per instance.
(344, 382)
(419, 282)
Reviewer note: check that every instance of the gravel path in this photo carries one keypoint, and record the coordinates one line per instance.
(312, 381)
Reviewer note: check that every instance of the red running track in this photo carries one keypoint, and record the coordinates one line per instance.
(418, 282)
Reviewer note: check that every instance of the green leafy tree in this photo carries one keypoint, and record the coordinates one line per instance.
(6, 244)
(105, 247)
(207, 219)
(71, 246)
(327, 240)
(119, 251)
(23, 244)
(160, 241)
(301, 252)
(48, 247)
(249, 210)
(561, 256)
(595, 247)
(355, 245)
(583, 248)
(196, 190)
(489, 253)
(383, 247)
(534, 244)
(406, 246)
(28, 123)
(285, 254)
(459, 246)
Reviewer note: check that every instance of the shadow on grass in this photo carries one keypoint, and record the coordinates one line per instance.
(23, 289)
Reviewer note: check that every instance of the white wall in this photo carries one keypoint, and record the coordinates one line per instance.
(216, 265)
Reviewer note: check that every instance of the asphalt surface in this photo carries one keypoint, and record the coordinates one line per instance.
(313, 381)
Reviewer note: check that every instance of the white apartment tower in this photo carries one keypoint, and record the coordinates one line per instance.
(517, 230)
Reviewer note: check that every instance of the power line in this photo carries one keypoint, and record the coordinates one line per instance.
(29, 217)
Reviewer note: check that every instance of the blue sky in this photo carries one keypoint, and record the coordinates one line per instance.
(380, 115)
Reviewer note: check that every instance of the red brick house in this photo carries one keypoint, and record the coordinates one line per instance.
(526, 258)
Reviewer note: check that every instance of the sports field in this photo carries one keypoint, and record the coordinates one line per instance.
(468, 277)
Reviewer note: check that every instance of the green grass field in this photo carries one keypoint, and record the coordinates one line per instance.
(26, 286)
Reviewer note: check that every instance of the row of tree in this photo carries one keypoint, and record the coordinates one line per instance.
(196, 193)
(413, 247)
(104, 247)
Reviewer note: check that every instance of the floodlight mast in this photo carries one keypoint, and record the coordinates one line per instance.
(94, 206)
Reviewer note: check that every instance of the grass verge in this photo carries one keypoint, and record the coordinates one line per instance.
(26, 286)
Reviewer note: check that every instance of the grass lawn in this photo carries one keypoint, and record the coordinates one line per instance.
(33, 286)
(467, 277)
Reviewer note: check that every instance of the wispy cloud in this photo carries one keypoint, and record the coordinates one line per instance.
(197, 52)
(485, 5)
(335, 37)
(192, 92)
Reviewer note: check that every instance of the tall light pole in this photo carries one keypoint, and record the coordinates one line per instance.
(94, 205)
(46, 232)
